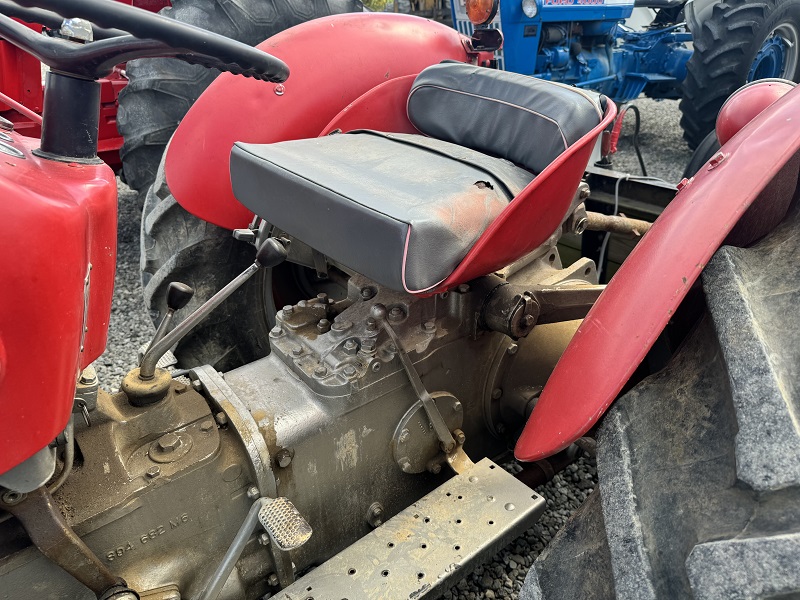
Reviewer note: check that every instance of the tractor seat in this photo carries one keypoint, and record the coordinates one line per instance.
(405, 209)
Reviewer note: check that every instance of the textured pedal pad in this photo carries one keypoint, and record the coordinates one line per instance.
(284, 524)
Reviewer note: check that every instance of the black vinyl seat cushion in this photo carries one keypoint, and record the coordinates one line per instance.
(404, 209)
(401, 209)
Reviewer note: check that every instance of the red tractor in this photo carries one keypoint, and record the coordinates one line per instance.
(385, 322)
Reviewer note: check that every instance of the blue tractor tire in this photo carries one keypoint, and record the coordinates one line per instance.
(735, 42)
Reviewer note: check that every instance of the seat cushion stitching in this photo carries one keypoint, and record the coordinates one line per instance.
(533, 112)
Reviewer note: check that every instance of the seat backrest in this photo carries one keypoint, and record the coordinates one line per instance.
(525, 120)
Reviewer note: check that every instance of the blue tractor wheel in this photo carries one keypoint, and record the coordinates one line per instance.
(737, 41)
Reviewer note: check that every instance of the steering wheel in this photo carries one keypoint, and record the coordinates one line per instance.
(150, 35)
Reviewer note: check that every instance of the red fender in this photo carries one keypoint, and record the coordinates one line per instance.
(333, 61)
(640, 299)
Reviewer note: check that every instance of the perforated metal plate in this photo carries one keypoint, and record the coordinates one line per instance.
(419, 552)
(285, 525)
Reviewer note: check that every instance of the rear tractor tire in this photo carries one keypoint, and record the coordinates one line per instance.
(737, 41)
(699, 478)
(161, 90)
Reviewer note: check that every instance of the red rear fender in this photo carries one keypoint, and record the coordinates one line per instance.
(333, 61)
(641, 298)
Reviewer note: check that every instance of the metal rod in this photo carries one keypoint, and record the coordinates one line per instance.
(616, 224)
(148, 367)
(225, 568)
(11, 103)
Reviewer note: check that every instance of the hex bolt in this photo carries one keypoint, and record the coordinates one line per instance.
(351, 346)
(430, 326)
(405, 464)
(206, 425)
(434, 467)
(459, 437)
(375, 514)
(169, 442)
(497, 393)
(253, 493)
(323, 326)
(322, 298)
(463, 288)
(372, 324)
(457, 407)
(528, 320)
(221, 418)
(283, 458)
(349, 370)
(276, 332)
(512, 349)
(153, 472)
(341, 325)
(396, 314)
(367, 293)
(368, 345)
(263, 539)
(320, 371)
(272, 580)
(288, 310)
(297, 351)
(196, 385)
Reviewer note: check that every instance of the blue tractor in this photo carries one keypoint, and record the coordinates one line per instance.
(698, 51)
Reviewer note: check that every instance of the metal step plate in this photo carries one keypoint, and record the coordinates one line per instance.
(419, 552)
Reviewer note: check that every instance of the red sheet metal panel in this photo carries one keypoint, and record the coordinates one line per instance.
(640, 299)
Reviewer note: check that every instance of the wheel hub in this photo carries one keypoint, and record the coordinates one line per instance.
(778, 55)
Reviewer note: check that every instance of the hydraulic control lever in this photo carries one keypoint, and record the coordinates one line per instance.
(148, 384)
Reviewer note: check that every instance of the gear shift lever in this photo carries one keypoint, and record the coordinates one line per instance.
(178, 296)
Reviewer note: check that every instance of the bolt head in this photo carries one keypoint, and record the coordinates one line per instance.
(288, 310)
(169, 442)
(297, 351)
(221, 418)
(367, 293)
(207, 425)
(283, 458)
(404, 435)
(276, 331)
(372, 324)
(376, 366)
(512, 349)
(323, 326)
(153, 472)
(430, 326)
(459, 437)
(496, 393)
(272, 580)
(528, 320)
(368, 345)
(349, 370)
(253, 493)
(320, 371)
(263, 539)
(405, 464)
(435, 468)
(463, 288)
(351, 346)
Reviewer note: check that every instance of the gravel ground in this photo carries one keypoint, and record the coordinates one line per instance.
(665, 156)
